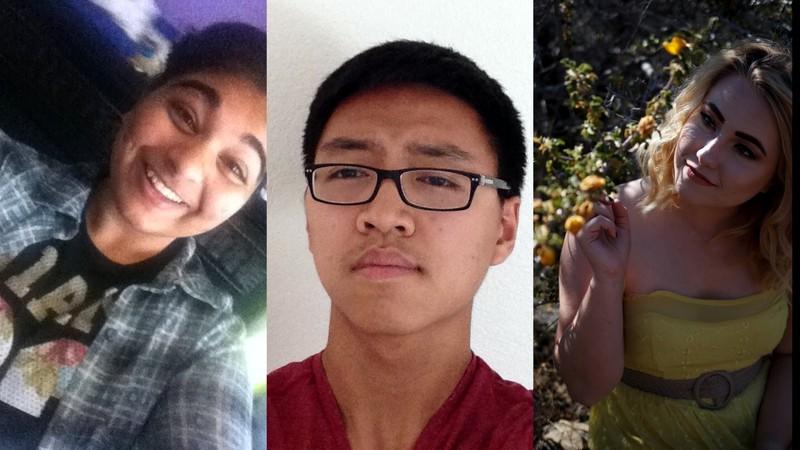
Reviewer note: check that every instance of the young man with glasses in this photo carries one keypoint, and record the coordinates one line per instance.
(414, 159)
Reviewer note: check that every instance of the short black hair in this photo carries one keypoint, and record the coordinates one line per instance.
(227, 47)
(414, 62)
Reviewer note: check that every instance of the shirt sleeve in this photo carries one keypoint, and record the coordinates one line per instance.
(8, 146)
(16, 159)
(5, 141)
(208, 405)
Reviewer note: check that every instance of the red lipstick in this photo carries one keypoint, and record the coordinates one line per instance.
(695, 175)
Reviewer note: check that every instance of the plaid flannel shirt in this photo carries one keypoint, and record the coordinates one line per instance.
(167, 370)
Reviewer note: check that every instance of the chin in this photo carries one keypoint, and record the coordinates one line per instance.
(155, 231)
(145, 225)
(381, 318)
(393, 317)
(390, 327)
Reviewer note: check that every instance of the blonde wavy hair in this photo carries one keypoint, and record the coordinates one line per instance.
(767, 229)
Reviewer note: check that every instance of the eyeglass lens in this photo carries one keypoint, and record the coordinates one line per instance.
(435, 189)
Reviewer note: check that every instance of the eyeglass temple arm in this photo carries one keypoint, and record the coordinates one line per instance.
(496, 183)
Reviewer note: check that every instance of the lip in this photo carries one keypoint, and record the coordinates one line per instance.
(695, 175)
(384, 264)
(153, 196)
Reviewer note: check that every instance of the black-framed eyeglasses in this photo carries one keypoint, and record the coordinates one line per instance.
(424, 188)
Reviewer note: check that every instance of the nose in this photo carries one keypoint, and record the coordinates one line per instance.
(707, 154)
(386, 213)
(190, 158)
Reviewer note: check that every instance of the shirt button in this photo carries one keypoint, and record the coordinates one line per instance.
(109, 334)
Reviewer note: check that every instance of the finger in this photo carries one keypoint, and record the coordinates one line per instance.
(620, 215)
(603, 209)
(597, 225)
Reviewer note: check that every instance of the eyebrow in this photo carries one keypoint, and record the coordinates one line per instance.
(450, 151)
(210, 94)
(255, 144)
(751, 139)
(344, 143)
(740, 134)
(716, 111)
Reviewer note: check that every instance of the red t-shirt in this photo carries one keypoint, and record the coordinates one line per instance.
(483, 412)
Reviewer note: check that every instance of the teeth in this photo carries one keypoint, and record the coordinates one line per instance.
(162, 188)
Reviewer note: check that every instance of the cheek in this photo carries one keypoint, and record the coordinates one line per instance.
(220, 206)
(323, 230)
(468, 242)
(689, 141)
(122, 147)
(753, 180)
(147, 124)
(331, 247)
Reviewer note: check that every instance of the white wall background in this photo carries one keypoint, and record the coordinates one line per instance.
(309, 39)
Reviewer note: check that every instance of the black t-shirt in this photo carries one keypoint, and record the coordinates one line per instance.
(51, 309)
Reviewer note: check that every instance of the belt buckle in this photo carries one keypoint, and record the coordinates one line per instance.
(714, 404)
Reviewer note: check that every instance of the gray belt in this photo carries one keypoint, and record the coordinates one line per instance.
(711, 390)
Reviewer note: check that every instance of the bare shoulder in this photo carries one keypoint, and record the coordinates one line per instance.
(647, 231)
(630, 194)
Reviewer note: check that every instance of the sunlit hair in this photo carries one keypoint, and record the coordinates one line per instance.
(767, 228)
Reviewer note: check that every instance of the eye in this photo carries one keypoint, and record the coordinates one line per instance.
(745, 151)
(436, 181)
(707, 120)
(235, 168)
(441, 180)
(183, 118)
(346, 173)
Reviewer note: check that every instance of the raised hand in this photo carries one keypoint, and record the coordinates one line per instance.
(605, 239)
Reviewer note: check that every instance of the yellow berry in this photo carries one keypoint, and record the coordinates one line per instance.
(574, 223)
(547, 256)
(592, 183)
(585, 209)
(646, 126)
(675, 46)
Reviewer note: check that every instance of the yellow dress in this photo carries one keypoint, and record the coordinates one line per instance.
(677, 337)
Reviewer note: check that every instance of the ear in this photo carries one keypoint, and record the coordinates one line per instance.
(306, 200)
(122, 128)
(509, 220)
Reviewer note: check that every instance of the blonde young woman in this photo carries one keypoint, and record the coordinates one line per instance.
(675, 319)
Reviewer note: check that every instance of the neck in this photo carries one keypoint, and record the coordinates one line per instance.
(388, 387)
(706, 223)
(113, 235)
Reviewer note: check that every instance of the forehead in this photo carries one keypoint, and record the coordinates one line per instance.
(745, 109)
(406, 124)
(228, 94)
(228, 86)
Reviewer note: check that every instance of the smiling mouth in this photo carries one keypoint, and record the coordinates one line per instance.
(159, 185)
(694, 173)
